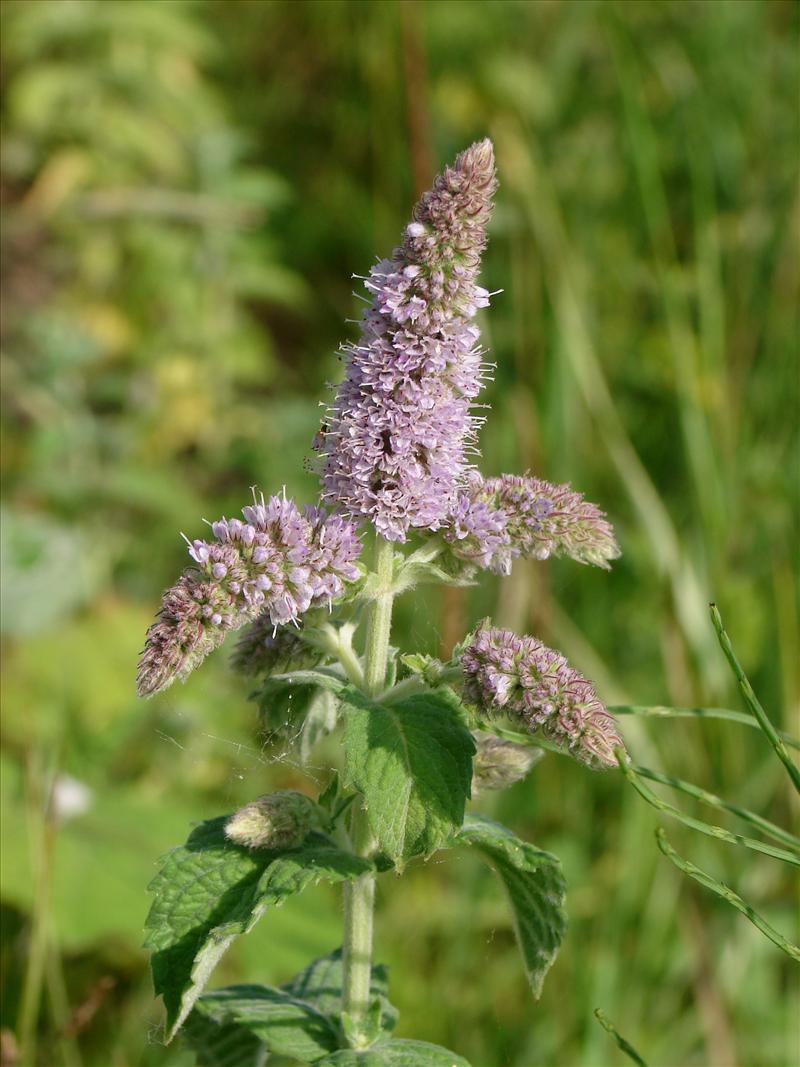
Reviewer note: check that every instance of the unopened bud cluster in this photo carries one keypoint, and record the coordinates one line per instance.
(499, 763)
(264, 649)
(523, 678)
(276, 821)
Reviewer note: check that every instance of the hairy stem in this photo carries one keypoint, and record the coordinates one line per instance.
(416, 683)
(359, 896)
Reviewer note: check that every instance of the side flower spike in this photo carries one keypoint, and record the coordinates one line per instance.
(499, 519)
(397, 437)
(279, 562)
(524, 679)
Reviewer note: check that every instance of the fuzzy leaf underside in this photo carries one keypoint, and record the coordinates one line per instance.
(396, 1053)
(223, 1044)
(320, 984)
(286, 1025)
(536, 890)
(412, 762)
(208, 892)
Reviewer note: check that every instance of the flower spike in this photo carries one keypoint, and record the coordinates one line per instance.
(523, 678)
(396, 441)
(497, 520)
(279, 562)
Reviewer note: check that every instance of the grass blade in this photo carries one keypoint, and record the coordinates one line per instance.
(696, 824)
(764, 825)
(728, 894)
(658, 711)
(626, 1047)
(752, 700)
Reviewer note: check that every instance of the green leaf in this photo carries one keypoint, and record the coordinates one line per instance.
(323, 677)
(285, 1024)
(223, 1044)
(209, 891)
(536, 891)
(413, 764)
(320, 984)
(396, 1053)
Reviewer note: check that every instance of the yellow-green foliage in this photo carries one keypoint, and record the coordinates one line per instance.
(186, 189)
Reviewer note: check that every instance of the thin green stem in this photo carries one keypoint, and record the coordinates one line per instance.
(520, 739)
(752, 701)
(624, 1045)
(41, 785)
(658, 711)
(728, 894)
(762, 824)
(339, 643)
(705, 828)
(416, 684)
(359, 896)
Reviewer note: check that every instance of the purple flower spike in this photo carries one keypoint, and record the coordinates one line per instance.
(522, 678)
(277, 564)
(396, 441)
(499, 519)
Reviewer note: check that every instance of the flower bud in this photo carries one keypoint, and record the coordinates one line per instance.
(499, 764)
(279, 820)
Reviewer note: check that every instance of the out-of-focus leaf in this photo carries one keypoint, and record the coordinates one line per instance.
(48, 571)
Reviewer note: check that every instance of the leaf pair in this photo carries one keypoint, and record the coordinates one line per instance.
(208, 892)
(241, 1025)
(412, 763)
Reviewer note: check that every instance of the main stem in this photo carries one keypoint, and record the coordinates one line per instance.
(359, 896)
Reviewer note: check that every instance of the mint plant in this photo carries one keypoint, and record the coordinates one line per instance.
(312, 592)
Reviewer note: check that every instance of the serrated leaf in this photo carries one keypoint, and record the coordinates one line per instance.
(209, 891)
(285, 1024)
(396, 1053)
(223, 1044)
(320, 984)
(536, 891)
(412, 762)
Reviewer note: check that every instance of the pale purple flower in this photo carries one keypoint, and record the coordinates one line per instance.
(279, 562)
(524, 679)
(497, 520)
(398, 435)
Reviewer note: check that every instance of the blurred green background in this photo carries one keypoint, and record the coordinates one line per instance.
(187, 188)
